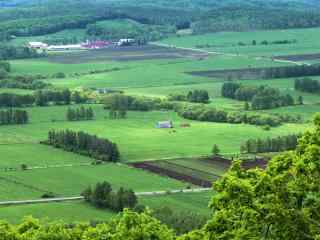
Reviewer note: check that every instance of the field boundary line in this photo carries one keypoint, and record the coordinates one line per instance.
(81, 198)
(274, 59)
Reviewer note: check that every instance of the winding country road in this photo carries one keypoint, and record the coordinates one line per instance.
(80, 198)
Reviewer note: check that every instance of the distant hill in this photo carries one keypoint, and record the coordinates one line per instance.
(40, 17)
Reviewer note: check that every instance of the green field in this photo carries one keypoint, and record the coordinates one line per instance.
(137, 136)
(13, 155)
(82, 212)
(68, 211)
(71, 181)
(227, 42)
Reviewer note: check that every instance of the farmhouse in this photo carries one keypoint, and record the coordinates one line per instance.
(37, 45)
(165, 124)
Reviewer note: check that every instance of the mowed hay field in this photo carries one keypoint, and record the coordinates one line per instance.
(71, 181)
(228, 42)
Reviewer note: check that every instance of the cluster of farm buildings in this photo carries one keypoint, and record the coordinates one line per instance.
(97, 44)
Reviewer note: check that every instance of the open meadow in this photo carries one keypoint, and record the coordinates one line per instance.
(301, 41)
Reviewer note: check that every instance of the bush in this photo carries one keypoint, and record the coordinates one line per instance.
(48, 195)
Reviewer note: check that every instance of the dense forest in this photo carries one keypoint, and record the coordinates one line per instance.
(161, 17)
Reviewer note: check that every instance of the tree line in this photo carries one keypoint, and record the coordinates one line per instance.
(291, 71)
(278, 144)
(195, 96)
(22, 82)
(242, 17)
(201, 113)
(307, 85)
(5, 68)
(79, 114)
(261, 97)
(15, 100)
(41, 98)
(8, 52)
(84, 144)
(102, 196)
(119, 104)
(8, 117)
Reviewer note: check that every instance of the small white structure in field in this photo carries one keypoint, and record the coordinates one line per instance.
(65, 47)
(126, 42)
(37, 45)
(164, 124)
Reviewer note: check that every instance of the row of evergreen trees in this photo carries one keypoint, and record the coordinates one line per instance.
(261, 97)
(10, 116)
(15, 100)
(291, 71)
(278, 144)
(85, 144)
(196, 96)
(41, 98)
(80, 114)
(307, 85)
(102, 196)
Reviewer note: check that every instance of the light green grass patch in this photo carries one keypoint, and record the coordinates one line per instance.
(71, 181)
(70, 212)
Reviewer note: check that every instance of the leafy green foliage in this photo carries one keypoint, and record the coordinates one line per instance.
(262, 97)
(102, 196)
(280, 202)
(278, 144)
(128, 225)
(307, 85)
(79, 114)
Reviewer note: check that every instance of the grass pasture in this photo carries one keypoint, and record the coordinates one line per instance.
(68, 211)
(71, 181)
(81, 212)
(228, 42)
(137, 136)
(13, 155)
